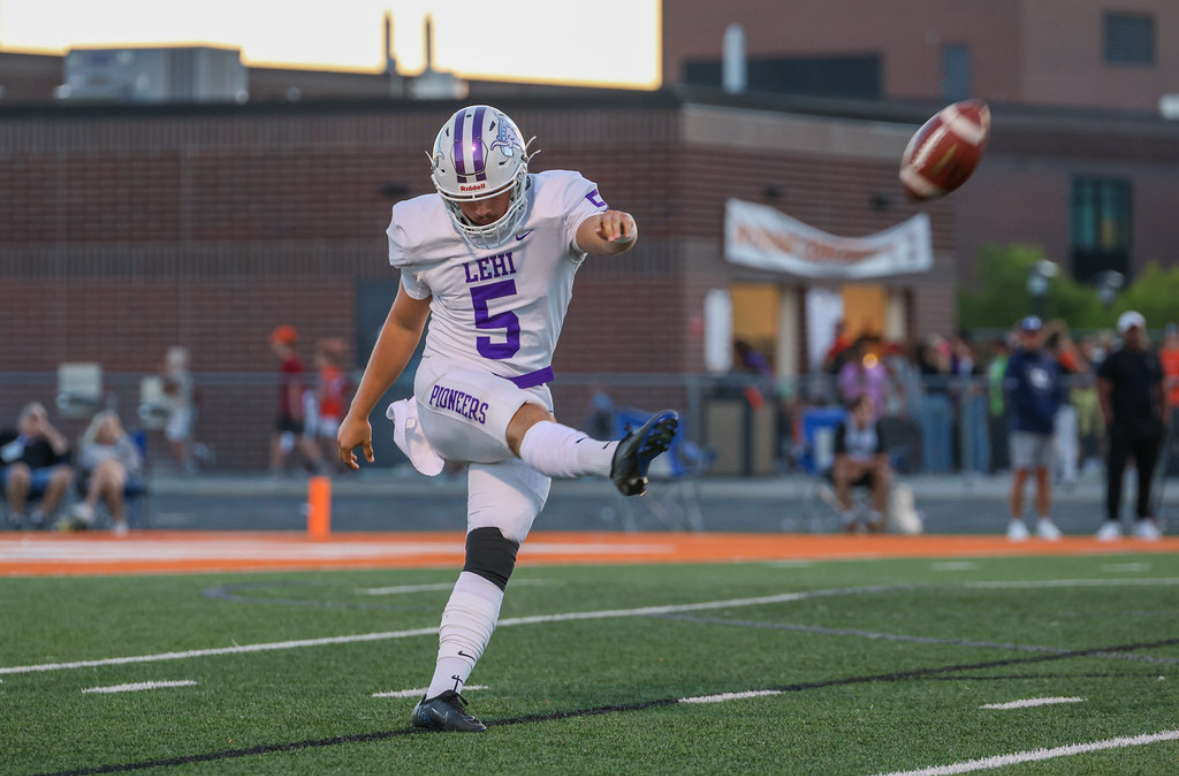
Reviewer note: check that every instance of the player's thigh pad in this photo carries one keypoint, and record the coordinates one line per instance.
(465, 413)
(506, 495)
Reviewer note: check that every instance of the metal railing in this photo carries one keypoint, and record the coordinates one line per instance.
(752, 423)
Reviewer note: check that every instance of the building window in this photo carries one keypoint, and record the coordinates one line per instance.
(956, 72)
(1129, 39)
(1101, 221)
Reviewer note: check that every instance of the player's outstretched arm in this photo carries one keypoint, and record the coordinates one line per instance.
(608, 233)
(396, 343)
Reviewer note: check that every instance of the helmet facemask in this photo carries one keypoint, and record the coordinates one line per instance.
(477, 155)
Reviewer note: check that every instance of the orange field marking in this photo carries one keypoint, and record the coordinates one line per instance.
(159, 552)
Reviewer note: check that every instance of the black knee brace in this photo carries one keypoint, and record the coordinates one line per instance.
(491, 556)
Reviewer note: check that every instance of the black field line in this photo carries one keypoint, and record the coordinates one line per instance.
(1153, 676)
(897, 676)
(876, 635)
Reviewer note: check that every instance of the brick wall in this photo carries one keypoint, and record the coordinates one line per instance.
(125, 231)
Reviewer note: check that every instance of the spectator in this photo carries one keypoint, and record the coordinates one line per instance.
(1035, 391)
(834, 358)
(936, 413)
(34, 463)
(331, 397)
(599, 423)
(178, 387)
(1066, 438)
(748, 360)
(289, 427)
(998, 423)
(1106, 343)
(1169, 356)
(1090, 425)
(110, 471)
(899, 375)
(860, 461)
(863, 374)
(1130, 384)
(898, 424)
(971, 395)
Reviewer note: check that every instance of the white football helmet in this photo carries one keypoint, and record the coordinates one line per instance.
(479, 154)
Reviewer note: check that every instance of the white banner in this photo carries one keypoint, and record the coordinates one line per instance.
(760, 236)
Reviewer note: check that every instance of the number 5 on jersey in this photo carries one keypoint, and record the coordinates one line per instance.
(480, 296)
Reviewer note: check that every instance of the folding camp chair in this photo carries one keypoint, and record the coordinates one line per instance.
(79, 389)
(673, 497)
(820, 507)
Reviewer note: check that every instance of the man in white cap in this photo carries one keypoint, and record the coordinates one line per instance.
(1130, 384)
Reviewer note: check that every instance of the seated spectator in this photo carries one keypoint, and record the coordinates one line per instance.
(860, 461)
(110, 469)
(34, 463)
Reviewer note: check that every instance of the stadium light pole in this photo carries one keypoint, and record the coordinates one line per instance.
(1038, 283)
(1109, 282)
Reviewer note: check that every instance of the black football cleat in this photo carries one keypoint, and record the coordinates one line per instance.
(638, 448)
(447, 711)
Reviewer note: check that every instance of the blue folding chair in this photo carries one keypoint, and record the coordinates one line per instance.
(673, 498)
(818, 433)
(820, 507)
(138, 494)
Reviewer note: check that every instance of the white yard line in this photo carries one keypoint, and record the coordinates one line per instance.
(1029, 702)
(730, 696)
(136, 687)
(1075, 583)
(953, 565)
(647, 611)
(1036, 755)
(405, 589)
(420, 691)
(84, 552)
(1126, 567)
(362, 637)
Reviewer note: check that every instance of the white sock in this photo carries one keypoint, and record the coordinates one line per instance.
(467, 624)
(563, 452)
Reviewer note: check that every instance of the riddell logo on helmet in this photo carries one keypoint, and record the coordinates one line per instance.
(476, 187)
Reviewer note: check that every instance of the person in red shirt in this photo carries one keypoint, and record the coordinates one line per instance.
(1169, 355)
(288, 430)
(331, 395)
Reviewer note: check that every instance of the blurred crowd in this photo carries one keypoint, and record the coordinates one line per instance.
(941, 403)
(49, 481)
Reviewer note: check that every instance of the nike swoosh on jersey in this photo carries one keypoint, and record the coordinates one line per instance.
(522, 235)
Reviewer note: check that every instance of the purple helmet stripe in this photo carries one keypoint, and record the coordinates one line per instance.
(477, 143)
(460, 164)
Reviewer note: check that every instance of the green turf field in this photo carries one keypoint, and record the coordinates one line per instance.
(877, 667)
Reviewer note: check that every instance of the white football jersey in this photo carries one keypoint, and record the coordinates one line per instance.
(500, 310)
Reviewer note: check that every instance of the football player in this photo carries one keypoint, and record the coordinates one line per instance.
(490, 259)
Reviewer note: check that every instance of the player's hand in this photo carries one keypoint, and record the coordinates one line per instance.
(355, 432)
(617, 227)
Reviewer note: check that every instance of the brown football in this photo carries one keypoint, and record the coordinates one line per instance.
(946, 150)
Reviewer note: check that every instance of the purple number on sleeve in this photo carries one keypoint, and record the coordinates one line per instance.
(595, 199)
(480, 296)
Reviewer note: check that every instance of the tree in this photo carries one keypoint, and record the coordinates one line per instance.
(1001, 298)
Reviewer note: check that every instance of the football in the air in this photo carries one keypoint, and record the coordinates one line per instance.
(946, 150)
